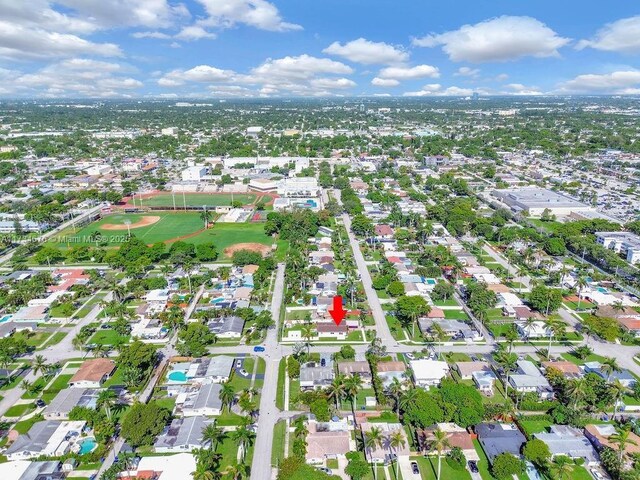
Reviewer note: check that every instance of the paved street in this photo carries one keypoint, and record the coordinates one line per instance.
(269, 413)
(382, 329)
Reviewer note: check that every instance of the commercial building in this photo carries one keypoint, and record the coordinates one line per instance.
(625, 243)
(194, 174)
(533, 201)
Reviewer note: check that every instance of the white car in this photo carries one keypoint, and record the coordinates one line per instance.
(597, 475)
(238, 363)
(244, 373)
(410, 356)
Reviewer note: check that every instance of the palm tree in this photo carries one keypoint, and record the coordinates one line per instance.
(307, 334)
(372, 439)
(621, 438)
(205, 474)
(581, 283)
(395, 390)
(618, 390)
(577, 389)
(353, 385)
(239, 471)
(213, 435)
(609, 366)
(26, 385)
(244, 438)
(337, 389)
(205, 216)
(511, 335)
(408, 398)
(39, 364)
(227, 394)
(562, 467)
(439, 442)
(396, 441)
(100, 350)
(107, 399)
(550, 324)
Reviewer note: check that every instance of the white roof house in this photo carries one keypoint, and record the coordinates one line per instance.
(171, 467)
(428, 372)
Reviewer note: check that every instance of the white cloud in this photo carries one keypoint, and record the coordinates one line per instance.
(332, 83)
(619, 83)
(384, 82)
(409, 73)
(467, 72)
(435, 89)
(77, 77)
(497, 40)
(620, 36)
(118, 13)
(194, 32)
(199, 74)
(255, 13)
(367, 52)
(502, 77)
(20, 42)
(158, 35)
(520, 89)
(300, 67)
(301, 75)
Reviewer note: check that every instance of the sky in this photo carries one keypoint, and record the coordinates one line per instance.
(293, 48)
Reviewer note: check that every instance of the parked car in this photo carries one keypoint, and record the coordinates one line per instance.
(238, 363)
(597, 475)
(323, 362)
(325, 470)
(244, 373)
(414, 468)
(473, 466)
(410, 356)
(259, 348)
(40, 403)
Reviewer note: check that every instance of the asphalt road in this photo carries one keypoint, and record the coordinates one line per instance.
(269, 413)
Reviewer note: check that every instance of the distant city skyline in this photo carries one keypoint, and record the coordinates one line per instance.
(280, 48)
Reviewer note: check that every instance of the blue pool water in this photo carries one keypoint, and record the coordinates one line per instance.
(430, 281)
(87, 445)
(177, 376)
(5, 318)
(217, 300)
(602, 290)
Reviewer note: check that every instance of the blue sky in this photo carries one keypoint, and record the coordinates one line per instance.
(261, 48)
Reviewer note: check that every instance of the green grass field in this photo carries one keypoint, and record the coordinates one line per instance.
(224, 235)
(170, 226)
(195, 200)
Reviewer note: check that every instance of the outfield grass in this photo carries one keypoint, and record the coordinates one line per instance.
(195, 200)
(170, 226)
(223, 235)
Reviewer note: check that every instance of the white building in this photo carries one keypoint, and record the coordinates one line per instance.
(194, 174)
(298, 187)
(171, 467)
(427, 373)
(625, 243)
(533, 201)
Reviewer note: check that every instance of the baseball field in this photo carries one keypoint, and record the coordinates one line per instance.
(192, 199)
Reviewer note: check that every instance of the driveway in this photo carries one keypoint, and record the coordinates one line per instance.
(404, 463)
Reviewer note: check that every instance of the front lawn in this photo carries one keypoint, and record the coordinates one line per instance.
(429, 469)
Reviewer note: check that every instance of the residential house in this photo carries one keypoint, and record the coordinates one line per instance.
(382, 453)
(537, 329)
(171, 467)
(456, 437)
(328, 440)
(200, 400)
(427, 373)
(331, 330)
(528, 378)
(93, 373)
(497, 438)
(230, 327)
(182, 435)
(49, 437)
(568, 369)
(481, 374)
(599, 434)
(361, 368)
(313, 376)
(567, 441)
(625, 377)
(387, 371)
(69, 398)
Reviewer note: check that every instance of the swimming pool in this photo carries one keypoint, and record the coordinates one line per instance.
(177, 376)
(602, 290)
(430, 281)
(87, 445)
(5, 318)
(217, 300)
